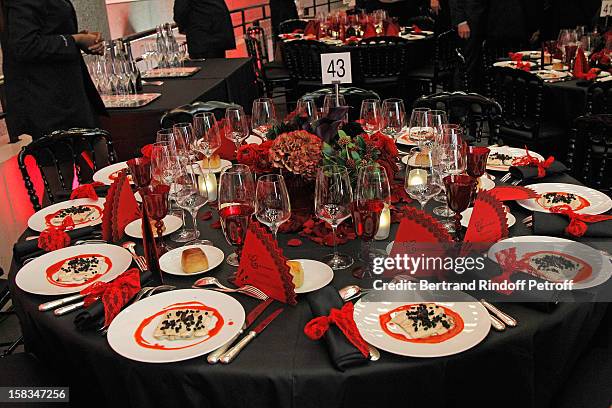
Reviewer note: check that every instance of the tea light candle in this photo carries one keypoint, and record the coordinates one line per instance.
(208, 182)
(417, 177)
(385, 224)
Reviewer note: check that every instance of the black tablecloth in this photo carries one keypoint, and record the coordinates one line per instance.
(526, 366)
(564, 102)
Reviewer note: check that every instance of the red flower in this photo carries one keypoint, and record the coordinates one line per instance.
(146, 150)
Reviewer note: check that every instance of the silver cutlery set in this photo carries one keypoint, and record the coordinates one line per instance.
(506, 177)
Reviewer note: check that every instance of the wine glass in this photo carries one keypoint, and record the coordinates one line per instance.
(459, 192)
(372, 196)
(183, 141)
(370, 115)
(263, 117)
(452, 160)
(156, 201)
(332, 101)
(450, 134)
(160, 151)
(436, 119)
(237, 129)
(418, 126)
(140, 169)
(165, 135)
(421, 179)
(207, 138)
(236, 206)
(307, 108)
(393, 117)
(333, 198)
(272, 206)
(191, 195)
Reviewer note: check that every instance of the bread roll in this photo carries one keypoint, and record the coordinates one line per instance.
(194, 260)
(296, 270)
(214, 163)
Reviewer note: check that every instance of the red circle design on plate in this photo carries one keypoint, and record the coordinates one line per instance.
(177, 306)
(386, 318)
(49, 217)
(583, 201)
(53, 269)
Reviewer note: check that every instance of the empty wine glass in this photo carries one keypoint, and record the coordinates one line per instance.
(237, 128)
(333, 101)
(370, 115)
(393, 117)
(191, 195)
(450, 134)
(308, 109)
(419, 129)
(263, 117)
(236, 206)
(333, 198)
(421, 181)
(183, 142)
(436, 119)
(207, 138)
(272, 206)
(452, 160)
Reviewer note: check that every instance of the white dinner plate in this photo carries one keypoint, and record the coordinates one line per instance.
(413, 37)
(404, 138)
(599, 202)
(512, 64)
(32, 277)
(475, 318)
(38, 222)
(316, 275)
(106, 174)
(514, 152)
(467, 215)
(124, 331)
(171, 222)
(253, 139)
(602, 267)
(485, 184)
(170, 262)
(548, 74)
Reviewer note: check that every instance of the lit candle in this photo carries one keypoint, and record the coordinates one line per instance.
(417, 177)
(211, 186)
(385, 224)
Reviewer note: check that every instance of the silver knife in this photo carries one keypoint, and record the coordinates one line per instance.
(213, 357)
(507, 319)
(70, 308)
(234, 351)
(43, 307)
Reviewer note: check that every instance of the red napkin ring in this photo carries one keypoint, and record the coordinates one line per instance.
(416, 29)
(86, 191)
(114, 294)
(343, 318)
(529, 160)
(509, 264)
(578, 222)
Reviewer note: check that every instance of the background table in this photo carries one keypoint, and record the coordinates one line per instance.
(527, 365)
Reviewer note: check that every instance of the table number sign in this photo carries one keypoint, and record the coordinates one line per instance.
(336, 68)
(606, 8)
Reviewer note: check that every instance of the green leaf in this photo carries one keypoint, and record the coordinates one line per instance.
(327, 149)
(355, 156)
(342, 133)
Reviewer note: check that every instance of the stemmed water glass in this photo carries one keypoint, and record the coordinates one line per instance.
(372, 196)
(418, 126)
(393, 117)
(237, 129)
(272, 205)
(308, 109)
(263, 117)
(459, 193)
(206, 136)
(332, 101)
(333, 198)
(450, 134)
(140, 169)
(421, 181)
(191, 195)
(183, 141)
(236, 206)
(156, 202)
(370, 115)
(436, 119)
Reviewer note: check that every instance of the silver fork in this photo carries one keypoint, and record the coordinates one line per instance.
(516, 182)
(505, 178)
(528, 221)
(248, 290)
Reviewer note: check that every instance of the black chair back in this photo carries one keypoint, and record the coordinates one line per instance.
(303, 59)
(599, 98)
(353, 97)
(382, 58)
(476, 114)
(520, 95)
(59, 153)
(260, 51)
(423, 22)
(449, 63)
(289, 26)
(185, 113)
(495, 50)
(590, 151)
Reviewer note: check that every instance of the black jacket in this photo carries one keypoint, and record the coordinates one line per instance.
(472, 11)
(47, 83)
(206, 23)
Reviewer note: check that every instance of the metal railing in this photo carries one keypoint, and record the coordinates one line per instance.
(327, 4)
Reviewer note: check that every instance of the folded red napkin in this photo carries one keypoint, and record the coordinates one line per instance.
(146, 150)
(370, 31)
(312, 28)
(54, 238)
(114, 294)
(392, 29)
(581, 67)
(529, 160)
(416, 29)
(86, 191)
(577, 226)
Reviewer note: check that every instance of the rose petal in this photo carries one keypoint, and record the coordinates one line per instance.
(206, 216)
(216, 224)
(294, 242)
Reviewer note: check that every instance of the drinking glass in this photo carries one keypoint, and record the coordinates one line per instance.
(307, 108)
(191, 195)
(421, 181)
(207, 138)
(393, 117)
(459, 193)
(331, 101)
(183, 142)
(263, 117)
(272, 206)
(237, 129)
(140, 168)
(372, 196)
(159, 157)
(418, 126)
(370, 115)
(477, 160)
(436, 119)
(156, 200)
(236, 206)
(450, 134)
(333, 198)
(452, 160)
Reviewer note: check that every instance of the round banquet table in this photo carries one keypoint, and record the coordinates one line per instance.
(525, 366)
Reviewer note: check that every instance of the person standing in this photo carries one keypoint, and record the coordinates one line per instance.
(468, 16)
(281, 10)
(207, 25)
(47, 83)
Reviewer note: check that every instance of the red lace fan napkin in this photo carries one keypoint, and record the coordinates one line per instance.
(392, 30)
(488, 223)
(369, 31)
(120, 208)
(343, 318)
(263, 265)
(86, 191)
(312, 29)
(114, 294)
(53, 238)
(511, 193)
(581, 67)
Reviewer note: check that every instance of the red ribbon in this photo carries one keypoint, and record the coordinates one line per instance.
(86, 191)
(416, 29)
(53, 237)
(529, 160)
(114, 294)
(509, 264)
(343, 318)
(578, 222)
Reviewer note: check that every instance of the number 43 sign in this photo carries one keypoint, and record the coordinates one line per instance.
(336, 68)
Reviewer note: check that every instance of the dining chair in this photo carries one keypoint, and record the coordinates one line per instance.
(599, 98)
(494, 50)
(303, 60)
(381, 62)
(57, 156)
(589, 156)
(270, 75)
(352, 95)
(185, 113)
(521, 96)
(289, 26)
(476, 114)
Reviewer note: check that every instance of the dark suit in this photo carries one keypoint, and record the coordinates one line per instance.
(47, 83)
(207, 25)
(472, 12)
(281, 10)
